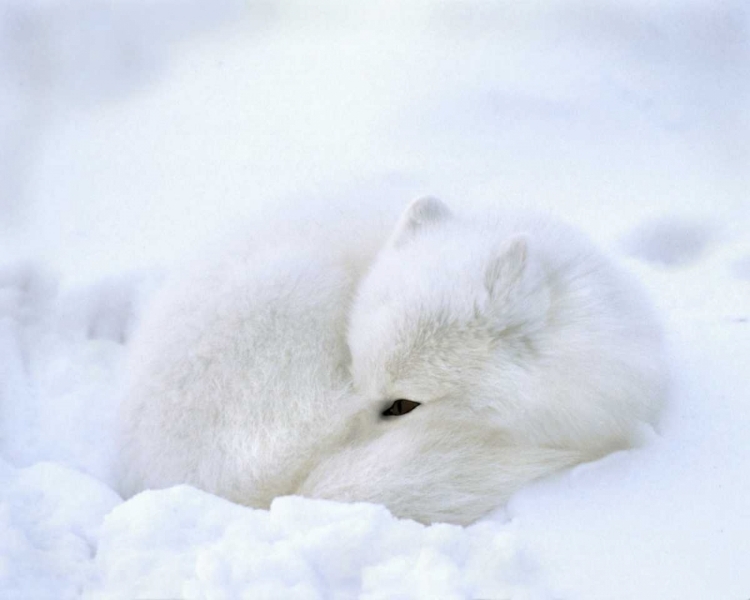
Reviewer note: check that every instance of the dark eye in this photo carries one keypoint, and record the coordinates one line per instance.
(399, 407)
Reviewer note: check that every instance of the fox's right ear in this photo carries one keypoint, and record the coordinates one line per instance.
(419, 215)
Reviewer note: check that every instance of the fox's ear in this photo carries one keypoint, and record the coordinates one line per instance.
(420, 214)
(519, 292)
(506, 270)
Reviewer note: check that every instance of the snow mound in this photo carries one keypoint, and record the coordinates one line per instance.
(185, 543)
(49, 519)
(742, 268)
(61, 351)
(669, 242)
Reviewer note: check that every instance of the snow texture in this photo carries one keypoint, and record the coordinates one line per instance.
(300, 548)
(131, 132)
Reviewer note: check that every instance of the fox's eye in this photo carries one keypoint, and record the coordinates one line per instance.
(400, 407)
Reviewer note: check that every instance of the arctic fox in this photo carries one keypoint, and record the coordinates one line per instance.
(436, 373)
(497, 349)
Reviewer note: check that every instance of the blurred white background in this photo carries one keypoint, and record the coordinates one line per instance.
(130, 127)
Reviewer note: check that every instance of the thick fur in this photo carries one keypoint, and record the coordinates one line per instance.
(267, 372)
(238, 374)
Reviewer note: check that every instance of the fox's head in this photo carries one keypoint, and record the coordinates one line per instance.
(448, 310)
(444, 333)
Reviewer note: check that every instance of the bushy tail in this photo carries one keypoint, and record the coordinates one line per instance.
(454, 478)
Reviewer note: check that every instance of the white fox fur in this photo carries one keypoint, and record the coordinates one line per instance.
(267, 372)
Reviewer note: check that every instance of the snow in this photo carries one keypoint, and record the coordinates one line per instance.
(184, 543)
(669, 520)
(131, 132)
(50, 517)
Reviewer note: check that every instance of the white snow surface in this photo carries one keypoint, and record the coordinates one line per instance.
(131, 132)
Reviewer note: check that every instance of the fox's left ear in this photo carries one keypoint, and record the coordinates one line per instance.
(419, 215)
(516, 284)
(507, 268)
